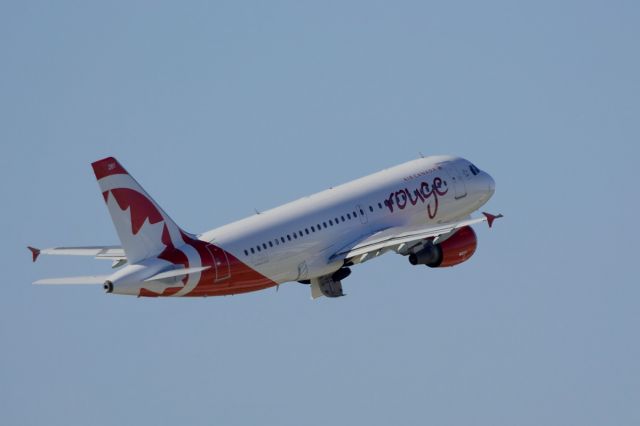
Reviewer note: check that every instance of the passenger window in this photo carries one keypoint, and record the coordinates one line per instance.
(371, 209)
(325, 224)
(246, 253)
(330, 222)
(295, 236)
(252, 250)
(282, 239)
(288, 237)
(380, 206)
(300, 233)
(306, 231)
(354, 214)
(349, 216)
(270, 243)
(258, 247)
(277, 241)
(337, 221)
(362, 212)
(313, 229)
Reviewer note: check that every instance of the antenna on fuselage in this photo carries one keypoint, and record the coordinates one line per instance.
(421, 154)
(256, 210)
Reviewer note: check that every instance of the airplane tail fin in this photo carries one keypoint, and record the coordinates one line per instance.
(144, 229)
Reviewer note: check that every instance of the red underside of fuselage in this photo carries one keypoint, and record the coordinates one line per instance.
(240, 278)
(224, 288)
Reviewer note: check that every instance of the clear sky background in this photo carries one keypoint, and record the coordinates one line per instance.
(218, 108)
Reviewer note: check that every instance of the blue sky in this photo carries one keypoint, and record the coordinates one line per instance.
(218, 108)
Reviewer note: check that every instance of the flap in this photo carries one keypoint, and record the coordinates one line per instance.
(395, 237)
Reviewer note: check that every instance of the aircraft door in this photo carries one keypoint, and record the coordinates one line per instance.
(220, 261)
(457, 181)
(362, 213)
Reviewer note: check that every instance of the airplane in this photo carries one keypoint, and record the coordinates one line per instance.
(420, 209)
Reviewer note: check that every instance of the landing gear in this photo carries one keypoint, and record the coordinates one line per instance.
(329, 285)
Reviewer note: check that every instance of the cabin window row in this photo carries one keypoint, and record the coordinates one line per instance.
(309, 230)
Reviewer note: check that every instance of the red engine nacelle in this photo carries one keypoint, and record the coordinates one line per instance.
(456, 249)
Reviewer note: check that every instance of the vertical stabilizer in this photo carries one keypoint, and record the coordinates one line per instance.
(144, 229)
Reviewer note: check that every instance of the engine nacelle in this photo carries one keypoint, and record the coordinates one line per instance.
(454, 250)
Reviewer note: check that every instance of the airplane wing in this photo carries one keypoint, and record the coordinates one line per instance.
(400, 239)
(98, 252)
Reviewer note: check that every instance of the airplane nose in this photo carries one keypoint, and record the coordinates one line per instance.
(492, 184)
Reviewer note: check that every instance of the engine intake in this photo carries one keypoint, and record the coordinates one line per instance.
(456, 249)
(341, 274)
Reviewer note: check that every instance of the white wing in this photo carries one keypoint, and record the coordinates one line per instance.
(401, 238)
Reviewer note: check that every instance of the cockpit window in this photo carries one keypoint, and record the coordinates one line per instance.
(474, 169)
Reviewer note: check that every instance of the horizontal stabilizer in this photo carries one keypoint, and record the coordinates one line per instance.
(176, 273)
(88, 280)
(99, 252)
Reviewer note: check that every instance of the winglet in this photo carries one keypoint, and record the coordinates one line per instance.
(34, 252)
(490, 218)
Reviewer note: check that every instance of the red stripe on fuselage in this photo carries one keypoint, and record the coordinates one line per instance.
(241, 279)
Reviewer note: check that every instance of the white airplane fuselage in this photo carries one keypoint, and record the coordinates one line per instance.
(369, 198)
(306, 240)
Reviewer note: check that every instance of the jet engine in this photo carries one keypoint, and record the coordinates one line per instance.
(452, 251)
